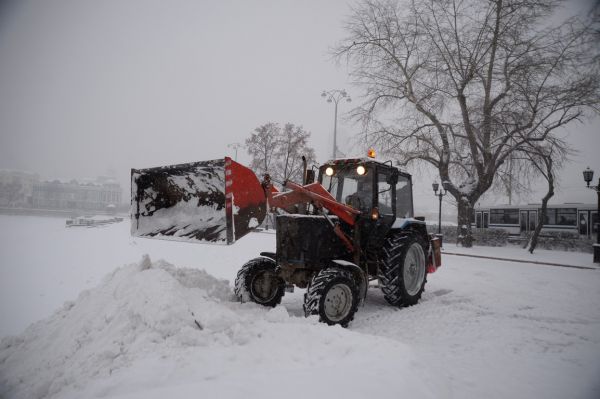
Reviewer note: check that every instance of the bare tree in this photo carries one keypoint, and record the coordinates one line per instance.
(12, 194)
(293, 144)
(279, 152)
(463, 84)
(546, 159)
(262, 147)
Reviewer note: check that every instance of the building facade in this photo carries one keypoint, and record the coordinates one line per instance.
(76, 195)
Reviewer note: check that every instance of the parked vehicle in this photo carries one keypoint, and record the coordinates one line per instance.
(517, 219)
(91, 221)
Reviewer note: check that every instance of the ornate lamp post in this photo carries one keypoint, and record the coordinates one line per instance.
(435, 186)
(588, 175)
(335, 96)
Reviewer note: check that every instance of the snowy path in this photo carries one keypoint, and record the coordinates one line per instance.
(484, 328)
(501, 330)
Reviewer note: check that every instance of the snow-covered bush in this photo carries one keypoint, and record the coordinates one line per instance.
(487, 237)
(557, 240)
(491, 237)
(563, 241)
(449, 232)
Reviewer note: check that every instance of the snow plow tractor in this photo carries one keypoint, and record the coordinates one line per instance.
(334, 236)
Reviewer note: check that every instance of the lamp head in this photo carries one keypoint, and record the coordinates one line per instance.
(588, 175)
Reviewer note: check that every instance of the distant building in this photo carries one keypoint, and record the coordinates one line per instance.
(103, 194)
(16, 188)
(19, 189)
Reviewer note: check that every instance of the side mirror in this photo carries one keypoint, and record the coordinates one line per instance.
(392, 178)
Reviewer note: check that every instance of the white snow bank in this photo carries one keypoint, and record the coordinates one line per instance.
(151, 329)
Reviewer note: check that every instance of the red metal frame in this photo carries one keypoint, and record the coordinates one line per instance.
(434, 258)
(316, 194)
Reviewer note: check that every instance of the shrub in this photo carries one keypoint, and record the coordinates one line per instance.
(562, 241)
(487, 237)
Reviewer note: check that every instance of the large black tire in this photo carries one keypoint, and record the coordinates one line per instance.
(403, 268)
(333, 295)
(257, 281)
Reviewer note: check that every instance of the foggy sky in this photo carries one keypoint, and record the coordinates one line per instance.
(92, 86)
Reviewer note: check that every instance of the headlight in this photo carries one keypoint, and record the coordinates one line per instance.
(329, 171)
(361, 170)
(374, 213)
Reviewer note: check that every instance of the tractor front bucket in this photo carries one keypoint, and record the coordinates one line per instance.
(216, 201)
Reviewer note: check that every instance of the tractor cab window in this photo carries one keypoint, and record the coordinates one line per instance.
(350, 188)
(404, 201)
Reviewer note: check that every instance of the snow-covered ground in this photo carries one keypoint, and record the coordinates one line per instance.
(484, 328)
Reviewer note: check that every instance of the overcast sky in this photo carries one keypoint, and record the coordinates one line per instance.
(92, 86)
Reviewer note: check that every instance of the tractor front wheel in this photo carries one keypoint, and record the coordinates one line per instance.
(333, 295)
(257, 281)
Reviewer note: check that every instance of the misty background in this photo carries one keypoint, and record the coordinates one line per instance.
(91, 88)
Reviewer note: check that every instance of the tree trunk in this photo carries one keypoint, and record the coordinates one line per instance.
(538, 228)
(465, 214)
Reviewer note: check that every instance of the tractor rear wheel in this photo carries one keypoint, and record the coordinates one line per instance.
(257, 281)
(333, 295)
(403, 269)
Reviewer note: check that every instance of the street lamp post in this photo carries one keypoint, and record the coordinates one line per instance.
(588, 175)
(435, 186)
(235, 146)
(335, 96)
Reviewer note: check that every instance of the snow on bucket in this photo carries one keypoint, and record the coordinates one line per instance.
(217, 201)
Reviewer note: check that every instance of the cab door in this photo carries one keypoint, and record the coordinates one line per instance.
(584, 223)
(374, 228)
(532, 220)
(523, 221)
(386, 195)
(478, 220)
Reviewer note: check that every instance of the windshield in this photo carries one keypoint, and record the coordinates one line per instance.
(350, 188)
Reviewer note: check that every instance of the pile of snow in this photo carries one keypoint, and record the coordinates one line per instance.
(151, 329)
